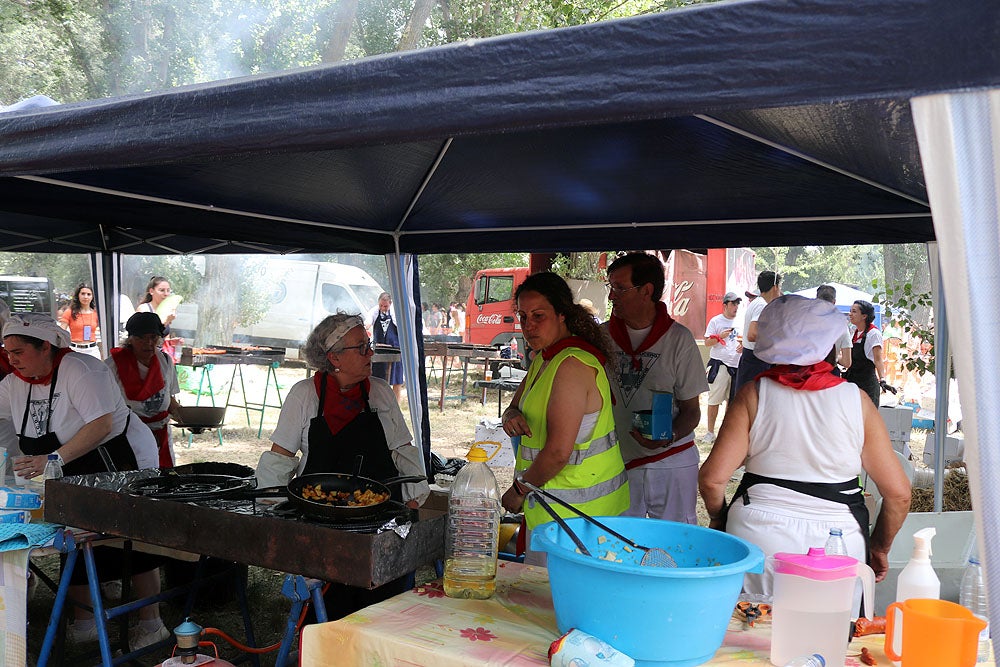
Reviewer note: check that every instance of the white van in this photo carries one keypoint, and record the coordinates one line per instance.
(303, 293)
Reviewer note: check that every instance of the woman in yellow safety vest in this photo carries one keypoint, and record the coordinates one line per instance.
(562, 410)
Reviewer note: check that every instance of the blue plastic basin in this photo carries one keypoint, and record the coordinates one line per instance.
(674, 617)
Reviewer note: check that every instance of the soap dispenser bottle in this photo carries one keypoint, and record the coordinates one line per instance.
(918, 579)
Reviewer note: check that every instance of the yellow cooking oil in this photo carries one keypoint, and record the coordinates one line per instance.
(470, 578)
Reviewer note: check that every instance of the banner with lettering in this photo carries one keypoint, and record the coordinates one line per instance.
(685, 289)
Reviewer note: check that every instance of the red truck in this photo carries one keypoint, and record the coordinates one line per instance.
(489, 318)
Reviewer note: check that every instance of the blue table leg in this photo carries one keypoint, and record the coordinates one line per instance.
(57, 608)
(298, 589)
(98, 604)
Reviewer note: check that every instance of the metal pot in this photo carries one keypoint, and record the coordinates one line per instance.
(335, 482)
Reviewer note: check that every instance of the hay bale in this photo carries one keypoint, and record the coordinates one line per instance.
(956, 496)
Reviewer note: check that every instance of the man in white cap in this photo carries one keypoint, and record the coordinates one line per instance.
(724, 358)
(813, 434)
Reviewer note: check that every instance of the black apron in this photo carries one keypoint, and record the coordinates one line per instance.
(336, 453)
(114, 455)
(833, 491)
(364, 435)
(862, 370)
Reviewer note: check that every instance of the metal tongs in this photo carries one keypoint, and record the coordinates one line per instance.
(652, 556)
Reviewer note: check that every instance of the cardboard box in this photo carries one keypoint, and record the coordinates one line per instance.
(492, 440)
(954, 449)
(899, 420)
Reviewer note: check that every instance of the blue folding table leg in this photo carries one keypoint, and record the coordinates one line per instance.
(298, 589)
(64, 542)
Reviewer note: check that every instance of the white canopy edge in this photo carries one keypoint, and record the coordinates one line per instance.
(959, 138)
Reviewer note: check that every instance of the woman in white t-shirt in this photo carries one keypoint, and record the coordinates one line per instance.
(67, 403)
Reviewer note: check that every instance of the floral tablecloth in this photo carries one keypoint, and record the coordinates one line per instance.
(423, 628)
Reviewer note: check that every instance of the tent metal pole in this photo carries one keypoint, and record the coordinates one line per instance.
(942, 374)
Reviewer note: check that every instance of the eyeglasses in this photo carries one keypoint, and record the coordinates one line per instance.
(362, 348)
(620, 290)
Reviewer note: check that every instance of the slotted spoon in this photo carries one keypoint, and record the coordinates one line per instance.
(652, 556)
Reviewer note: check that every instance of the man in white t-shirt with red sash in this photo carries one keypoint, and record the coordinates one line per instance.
(653, 353)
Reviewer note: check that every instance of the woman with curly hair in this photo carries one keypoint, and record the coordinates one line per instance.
(562, 410)
(80, 320)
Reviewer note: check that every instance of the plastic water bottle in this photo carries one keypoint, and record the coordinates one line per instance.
(972, 596)
(470, 567)
(835, 545)
(53, 469)
(513, 348)
(814, 660)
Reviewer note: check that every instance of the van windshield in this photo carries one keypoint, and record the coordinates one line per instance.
(367, 294)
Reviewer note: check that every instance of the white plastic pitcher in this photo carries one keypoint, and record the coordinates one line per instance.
(813, 600)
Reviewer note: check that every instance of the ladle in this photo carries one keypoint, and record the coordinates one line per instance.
(652, 556)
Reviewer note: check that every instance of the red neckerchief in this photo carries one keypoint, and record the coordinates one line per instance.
(805, 378)
(859, 335)
(619, 333)
(60, 353)
(5, 367)
(572, 341)
(341, 407)
(137, 389)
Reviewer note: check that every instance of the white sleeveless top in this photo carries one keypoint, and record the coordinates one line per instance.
(808, 436)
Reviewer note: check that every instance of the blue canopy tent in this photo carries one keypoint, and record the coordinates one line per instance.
(760, 122)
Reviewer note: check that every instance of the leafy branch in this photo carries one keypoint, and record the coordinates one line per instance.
(901, 304)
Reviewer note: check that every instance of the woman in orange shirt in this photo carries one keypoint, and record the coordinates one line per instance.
(80, 319)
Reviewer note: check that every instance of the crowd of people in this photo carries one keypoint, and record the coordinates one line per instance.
(802, 433)
(801, 389)
(57, 396)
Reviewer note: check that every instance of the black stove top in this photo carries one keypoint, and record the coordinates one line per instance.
(369, 524)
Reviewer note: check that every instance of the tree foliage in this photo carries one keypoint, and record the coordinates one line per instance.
(74, 50)
(447, 278)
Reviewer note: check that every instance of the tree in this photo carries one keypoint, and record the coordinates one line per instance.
(447, 278)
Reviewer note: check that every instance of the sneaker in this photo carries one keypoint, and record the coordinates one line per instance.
(76, 636)
(112, 590)
(140, 638)
(708, 438)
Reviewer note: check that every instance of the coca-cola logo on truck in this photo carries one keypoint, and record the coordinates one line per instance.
(495, 318)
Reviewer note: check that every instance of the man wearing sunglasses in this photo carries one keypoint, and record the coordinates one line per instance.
(653, 354)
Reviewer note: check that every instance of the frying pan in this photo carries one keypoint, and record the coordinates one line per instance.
(331, 481)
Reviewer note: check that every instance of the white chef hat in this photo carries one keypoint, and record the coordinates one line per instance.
(795, 330)
(36, 325)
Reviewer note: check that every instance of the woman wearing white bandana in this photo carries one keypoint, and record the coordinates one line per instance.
(336, 415)
(67, 403)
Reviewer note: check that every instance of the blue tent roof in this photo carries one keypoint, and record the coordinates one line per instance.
(759, 122)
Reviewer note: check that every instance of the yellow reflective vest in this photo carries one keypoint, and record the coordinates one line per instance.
(594, 479)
